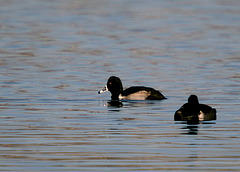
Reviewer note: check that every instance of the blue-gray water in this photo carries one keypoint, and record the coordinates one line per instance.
(56, 55)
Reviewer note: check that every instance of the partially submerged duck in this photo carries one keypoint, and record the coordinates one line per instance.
(114, 85)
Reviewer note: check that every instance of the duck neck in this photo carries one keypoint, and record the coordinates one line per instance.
(115, 96)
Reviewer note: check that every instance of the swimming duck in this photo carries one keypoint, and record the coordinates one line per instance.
(114, 85)
(195, 111)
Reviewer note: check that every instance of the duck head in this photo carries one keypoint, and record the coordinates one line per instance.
(193, 99)
(114, 85)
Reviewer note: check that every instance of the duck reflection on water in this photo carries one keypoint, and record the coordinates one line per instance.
(128, 103)
(115, 103)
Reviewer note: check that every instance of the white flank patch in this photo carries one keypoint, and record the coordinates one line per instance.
(201, 116)
(141, 95)
(121, 97)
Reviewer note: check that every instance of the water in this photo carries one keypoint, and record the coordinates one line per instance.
(56, 55)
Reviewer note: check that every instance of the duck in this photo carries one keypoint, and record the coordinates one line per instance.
(114, 85)
(193, 110)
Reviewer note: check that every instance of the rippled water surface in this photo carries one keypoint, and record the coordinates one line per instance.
(56, 55)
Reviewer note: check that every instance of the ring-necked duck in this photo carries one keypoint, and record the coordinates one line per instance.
(114, 85)
(195, 111)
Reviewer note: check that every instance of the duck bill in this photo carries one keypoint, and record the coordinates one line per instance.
(103, 90)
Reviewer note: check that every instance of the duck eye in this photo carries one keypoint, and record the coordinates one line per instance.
(110, 83)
